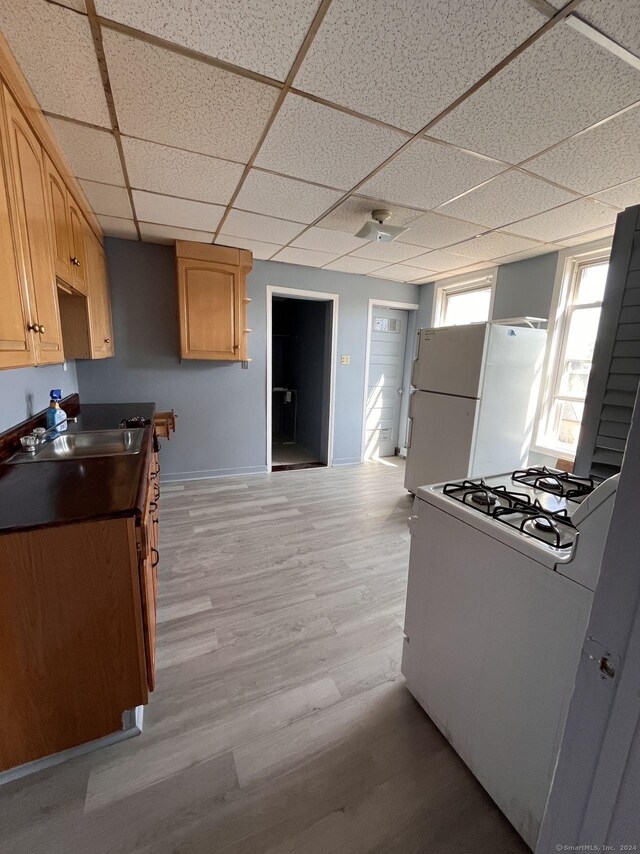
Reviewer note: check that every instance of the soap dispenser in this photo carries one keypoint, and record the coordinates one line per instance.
(56, 417)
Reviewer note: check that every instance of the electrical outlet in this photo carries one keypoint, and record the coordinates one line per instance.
(345, 360)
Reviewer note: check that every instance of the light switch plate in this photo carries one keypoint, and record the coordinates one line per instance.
(345, 360)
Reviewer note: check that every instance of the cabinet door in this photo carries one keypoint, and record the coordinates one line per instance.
(28, 173)
(209, 297)
(16, 341)
(78, 254)
(59, 217)
(99, 299)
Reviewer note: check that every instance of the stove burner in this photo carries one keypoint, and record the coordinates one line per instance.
(484, 498)
(549, 483)
(543, 523)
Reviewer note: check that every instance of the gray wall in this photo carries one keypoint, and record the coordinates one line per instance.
(24, 391)
(525, 288)
(221, 407)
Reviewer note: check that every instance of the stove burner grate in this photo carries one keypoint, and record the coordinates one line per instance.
(558, 483)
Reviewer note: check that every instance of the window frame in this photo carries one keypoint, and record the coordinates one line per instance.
(480, 280)
(570, 262)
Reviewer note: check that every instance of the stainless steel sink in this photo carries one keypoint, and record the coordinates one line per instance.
(78, 446)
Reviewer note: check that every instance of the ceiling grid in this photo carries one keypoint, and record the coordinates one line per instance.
(281, 127)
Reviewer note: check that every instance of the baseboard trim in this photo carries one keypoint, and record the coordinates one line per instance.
(204, 475)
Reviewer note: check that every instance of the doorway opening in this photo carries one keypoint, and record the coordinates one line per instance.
(301, 332)
(391, 343)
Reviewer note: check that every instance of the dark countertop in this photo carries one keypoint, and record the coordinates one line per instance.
(33, 495)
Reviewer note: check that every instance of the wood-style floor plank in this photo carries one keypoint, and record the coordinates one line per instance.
(280, 721)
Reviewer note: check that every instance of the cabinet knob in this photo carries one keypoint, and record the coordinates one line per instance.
(33, 327)
(75, 261)
(107, 340)
(41, 329)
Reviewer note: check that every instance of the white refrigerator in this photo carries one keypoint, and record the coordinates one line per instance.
(473, 402)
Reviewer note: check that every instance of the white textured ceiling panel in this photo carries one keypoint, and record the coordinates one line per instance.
(180, 173)
(588, 236)
(399, 273)
(541, 249)
(261, 251)
(389, 252)
(426, 174)
(108, 200)
(261, 36)
(328, 240)
(259, 227)
(494, 245)
(167, 210)
(154, 233)
(91, 153)
(305, 256)
(283, 197)
(115, 227)
(78, 5)
(562, 223)
(349, 264)
(618, 19)
(438, 261)
(317, 143)
(509, 197)
(434, 231)
(168, 98)
(55, 51)
(352, 214)
(623, 196)
(596, 159)
(403, 61)
(560, 85)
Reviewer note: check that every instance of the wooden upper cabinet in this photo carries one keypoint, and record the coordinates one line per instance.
(78, 254)
(16, 341)
(212, 301)
(28, 173)
(59, 218)
(101, 328)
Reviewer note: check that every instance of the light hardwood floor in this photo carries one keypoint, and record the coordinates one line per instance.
(280, 721)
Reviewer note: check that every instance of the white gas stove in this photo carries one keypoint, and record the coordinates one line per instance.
(501, 579)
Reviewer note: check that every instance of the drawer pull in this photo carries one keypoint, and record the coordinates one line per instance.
(157, 556)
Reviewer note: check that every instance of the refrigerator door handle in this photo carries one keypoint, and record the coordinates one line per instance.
(409, 433)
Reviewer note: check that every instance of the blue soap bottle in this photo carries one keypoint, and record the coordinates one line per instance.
(56, 415)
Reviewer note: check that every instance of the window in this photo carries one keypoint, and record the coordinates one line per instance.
(464, 300)
(570, 350)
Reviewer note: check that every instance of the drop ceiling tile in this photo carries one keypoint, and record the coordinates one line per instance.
(259, 227)
(620, 20)
(263, 37)
(180, 173)
(596, 159)
(169, 98)
(352, 214)
(404, 62)
(92, 154)
(560, 85)
(167, 210)
(494, 245)
(326, 240)
(317, 143)
(426, 174)
(115, 227)
(304, 256)
(108, 200)
(154, 233)
(399, 273)
(541, 249)
(434, 231)
(623, 196)
(389, 252)
(349, 264)
(589, 236)
(461, 271)
(566, 221)
(275, 195)
(507, 198)
(55, 51)
(438, 261)
(260, 250)
(77, 5)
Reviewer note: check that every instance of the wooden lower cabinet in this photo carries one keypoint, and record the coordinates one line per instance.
(77, 629)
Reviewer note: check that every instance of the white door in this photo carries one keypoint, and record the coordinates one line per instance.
(388, 340)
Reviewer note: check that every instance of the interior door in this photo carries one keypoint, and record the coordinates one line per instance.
(388, 341)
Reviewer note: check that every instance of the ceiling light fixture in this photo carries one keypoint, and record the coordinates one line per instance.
(376, 230)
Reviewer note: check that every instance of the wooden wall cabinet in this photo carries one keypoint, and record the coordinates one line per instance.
(26, 167)
(59, 218)
(212, 301)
